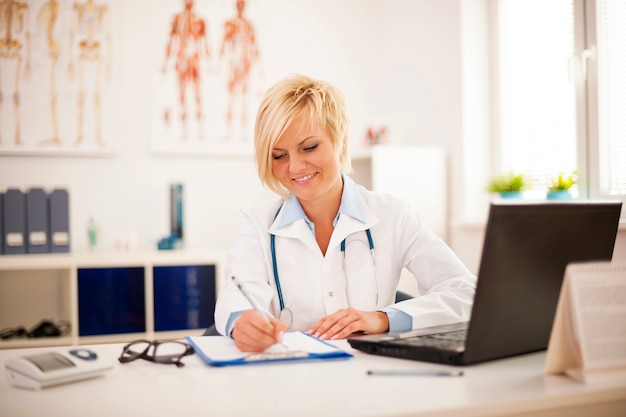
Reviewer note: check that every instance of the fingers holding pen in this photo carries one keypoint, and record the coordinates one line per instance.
(254, 333)
(279, 329)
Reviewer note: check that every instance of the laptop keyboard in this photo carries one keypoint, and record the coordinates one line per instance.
(448, 340)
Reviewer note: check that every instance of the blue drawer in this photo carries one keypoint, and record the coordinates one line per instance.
(184, 297)
(111, 301)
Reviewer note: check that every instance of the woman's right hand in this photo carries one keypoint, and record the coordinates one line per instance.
(253, 333)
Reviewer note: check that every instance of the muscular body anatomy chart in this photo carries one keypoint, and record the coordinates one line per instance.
(188, 45)
(56, 55)
(202, 94)
(239, 51)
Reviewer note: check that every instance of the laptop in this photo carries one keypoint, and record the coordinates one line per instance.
(526, 248)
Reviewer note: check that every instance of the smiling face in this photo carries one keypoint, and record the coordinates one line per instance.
(292, 110)
(306, 163)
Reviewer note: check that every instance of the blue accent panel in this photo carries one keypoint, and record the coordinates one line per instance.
(184, 297)
(111, 301)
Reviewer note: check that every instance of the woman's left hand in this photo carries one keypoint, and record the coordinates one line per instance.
(344, 322)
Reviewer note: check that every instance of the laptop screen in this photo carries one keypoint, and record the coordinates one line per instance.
(526, 249)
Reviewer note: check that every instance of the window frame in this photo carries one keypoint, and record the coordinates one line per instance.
(587, 110)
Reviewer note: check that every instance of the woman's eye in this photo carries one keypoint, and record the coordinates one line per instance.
(277, 157)
(310, 148)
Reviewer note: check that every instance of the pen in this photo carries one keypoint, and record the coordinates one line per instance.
(250, 298)
(253, 302)
(410, 372)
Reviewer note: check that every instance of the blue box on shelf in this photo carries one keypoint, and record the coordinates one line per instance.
(111, 301)
(184, 297)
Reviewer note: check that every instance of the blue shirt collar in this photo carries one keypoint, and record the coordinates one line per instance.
(350, 206)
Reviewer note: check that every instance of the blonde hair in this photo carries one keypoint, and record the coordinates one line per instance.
(293, 97)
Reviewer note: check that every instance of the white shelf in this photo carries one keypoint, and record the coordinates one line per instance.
(45, 286)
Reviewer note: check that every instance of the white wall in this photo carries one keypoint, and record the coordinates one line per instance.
(396, 59)
(419, 64)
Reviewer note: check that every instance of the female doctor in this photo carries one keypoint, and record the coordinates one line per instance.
(326, 255)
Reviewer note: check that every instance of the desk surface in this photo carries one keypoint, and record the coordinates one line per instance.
(505, 387)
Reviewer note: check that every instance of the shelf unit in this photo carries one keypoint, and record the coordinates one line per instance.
(101, 295)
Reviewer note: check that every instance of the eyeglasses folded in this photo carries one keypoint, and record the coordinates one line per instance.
(168, 352)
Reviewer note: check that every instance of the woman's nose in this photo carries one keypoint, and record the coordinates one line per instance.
(296, 163)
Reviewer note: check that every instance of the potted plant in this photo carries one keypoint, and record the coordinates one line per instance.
(508, 185)
(559, 188)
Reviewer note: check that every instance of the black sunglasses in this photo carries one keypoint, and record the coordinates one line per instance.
(168, 352)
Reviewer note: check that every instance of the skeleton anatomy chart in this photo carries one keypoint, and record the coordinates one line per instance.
(208, 80)
(14, 65)
(56, 56)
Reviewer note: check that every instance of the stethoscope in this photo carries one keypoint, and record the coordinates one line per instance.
(286, 315)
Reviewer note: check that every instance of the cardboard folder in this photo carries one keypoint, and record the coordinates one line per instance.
(59, 220)
(37, 221)
(14, 222)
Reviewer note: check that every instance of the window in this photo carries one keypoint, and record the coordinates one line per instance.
(561, 101)
(611, 91)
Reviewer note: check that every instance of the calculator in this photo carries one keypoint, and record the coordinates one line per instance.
(42, 370)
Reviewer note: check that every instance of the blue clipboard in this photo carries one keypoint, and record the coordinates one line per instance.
(221, 350)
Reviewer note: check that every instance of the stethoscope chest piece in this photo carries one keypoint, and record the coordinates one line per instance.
(286, 316)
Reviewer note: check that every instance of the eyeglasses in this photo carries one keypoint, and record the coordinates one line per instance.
(169, 352)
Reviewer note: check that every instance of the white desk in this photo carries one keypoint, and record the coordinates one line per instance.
(513, 386)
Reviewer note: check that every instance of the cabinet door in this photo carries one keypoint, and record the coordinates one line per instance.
(111, 301)
(184, 297)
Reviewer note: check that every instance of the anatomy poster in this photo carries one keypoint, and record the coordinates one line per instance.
(56, 72)
(206, 82)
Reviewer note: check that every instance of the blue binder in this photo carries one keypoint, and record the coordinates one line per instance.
(14, 222)
(37, 221)
(59, 220)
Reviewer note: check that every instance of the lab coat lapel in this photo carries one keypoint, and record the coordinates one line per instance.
(296, 230)
(348, 225)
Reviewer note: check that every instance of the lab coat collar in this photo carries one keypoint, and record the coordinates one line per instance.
(350, 205)
(354, 216)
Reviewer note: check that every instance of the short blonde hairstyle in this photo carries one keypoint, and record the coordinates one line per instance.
(291, 98)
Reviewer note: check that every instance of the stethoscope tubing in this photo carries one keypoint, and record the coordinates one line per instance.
(279, 290)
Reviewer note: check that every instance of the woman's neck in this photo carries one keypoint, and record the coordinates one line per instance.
(322, 213)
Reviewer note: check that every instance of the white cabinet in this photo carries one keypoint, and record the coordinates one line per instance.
(415, 173)
(109, 297)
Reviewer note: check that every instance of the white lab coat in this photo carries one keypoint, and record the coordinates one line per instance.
(314, 285)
